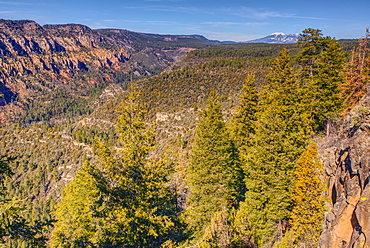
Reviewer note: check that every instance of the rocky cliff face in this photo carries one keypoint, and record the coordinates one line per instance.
(346, 155)
(36, 60)
(26, 48)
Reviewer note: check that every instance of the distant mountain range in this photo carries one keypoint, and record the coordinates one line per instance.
(277, 38)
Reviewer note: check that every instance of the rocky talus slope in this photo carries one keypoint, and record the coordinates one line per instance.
(346, 155)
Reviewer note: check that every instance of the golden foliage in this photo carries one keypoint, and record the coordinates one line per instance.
(308, 212)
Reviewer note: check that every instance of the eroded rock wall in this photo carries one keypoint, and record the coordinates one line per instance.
(53, 52)
(36, 61)
(346, 155)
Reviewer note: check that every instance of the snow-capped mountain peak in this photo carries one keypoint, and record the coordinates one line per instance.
(278, 33)
(277, 38)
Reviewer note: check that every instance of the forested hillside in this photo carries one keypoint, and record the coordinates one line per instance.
(69, 65)
(222, 149)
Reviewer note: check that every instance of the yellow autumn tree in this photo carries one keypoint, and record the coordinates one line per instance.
(309, 208)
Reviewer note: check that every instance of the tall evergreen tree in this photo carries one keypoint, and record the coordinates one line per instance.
(325, 89)
(138, 206)
(243, 131)
(311, 43)
(213, 176)
(80, 216)
(322, 65)
(245, 115)
(142, 183)
(281, 130)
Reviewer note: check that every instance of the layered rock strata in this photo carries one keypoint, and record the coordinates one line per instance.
(36, 60)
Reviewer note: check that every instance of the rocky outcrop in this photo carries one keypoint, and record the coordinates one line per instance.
(35, 60)
(346, 155)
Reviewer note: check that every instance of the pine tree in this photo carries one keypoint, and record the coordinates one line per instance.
(325, 89)
(245, 114)
(218, 232)
(281, 130)
(311, 43)
(308, 197)
(243, 131)
(80, 216)
(15, 231)
(213, 177)
(151, 203)
(128, 193)
(322, 65)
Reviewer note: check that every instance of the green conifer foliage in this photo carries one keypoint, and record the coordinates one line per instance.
(213, 177)
(243, 131)
(281, 130)
(79, 219)
(241, 228)
(245, 114)
(311, 43)
(325, 89)
(322, 66)
(218, 232)
(15, 231)
(127, 193)
(308, 212)
(142, 183)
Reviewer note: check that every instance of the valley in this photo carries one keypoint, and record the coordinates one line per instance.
(180, 141)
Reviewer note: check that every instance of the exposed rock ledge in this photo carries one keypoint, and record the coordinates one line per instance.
(346, 155)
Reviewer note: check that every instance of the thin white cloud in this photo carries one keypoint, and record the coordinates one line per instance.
(225, 24)
(163, 22)
(178, 9)
(257, 14)
(8, 12)
(244, 12)
(265, 14)
(156, 22)
(120, 21)
(319, 18)
(18, 3)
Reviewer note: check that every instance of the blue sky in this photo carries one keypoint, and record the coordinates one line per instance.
(234, 20)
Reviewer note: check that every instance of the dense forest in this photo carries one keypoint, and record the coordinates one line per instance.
(219, 150)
